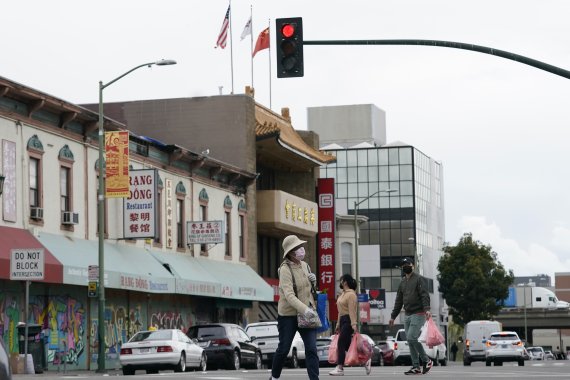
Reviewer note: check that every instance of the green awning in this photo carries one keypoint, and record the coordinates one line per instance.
(126, 266)
(190, 277)
(238, 281)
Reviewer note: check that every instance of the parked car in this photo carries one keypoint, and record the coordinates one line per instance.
(475, 335)
(536, 353)
(387, 347)
(504, 346)
(377, 358)
(266, 335)
(548, 355)
(323, 345)
(227, 345)
(5, 372)
(161, 349)
(438, 354)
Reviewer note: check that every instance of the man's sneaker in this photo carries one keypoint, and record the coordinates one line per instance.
(368, 366)
(338, 371)
(427, 367)
(413, 371)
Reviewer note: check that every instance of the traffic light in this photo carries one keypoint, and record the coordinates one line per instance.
(289, 47)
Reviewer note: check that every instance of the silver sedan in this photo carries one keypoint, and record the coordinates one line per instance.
(161, 349)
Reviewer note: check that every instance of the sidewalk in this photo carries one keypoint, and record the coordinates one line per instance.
(54, 374)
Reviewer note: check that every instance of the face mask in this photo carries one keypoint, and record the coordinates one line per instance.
(300, 253)
(407, 269)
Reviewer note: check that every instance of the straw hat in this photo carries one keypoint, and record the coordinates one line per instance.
(290, 243)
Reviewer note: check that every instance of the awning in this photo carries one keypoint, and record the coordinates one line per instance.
(190, 277)
(17, 238)
(238, 281)
(126, 267)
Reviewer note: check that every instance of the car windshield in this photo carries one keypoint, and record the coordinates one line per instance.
(208, 332)
(322, 342)
(504, 337)
(262, 331)
(535, 349)
(152, 335)
(402, 336)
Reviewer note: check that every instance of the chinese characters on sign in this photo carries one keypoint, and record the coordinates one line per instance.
(326, 242)
(297, 214)
(169, 212)
(210, 232)
(117, 164)
(140, 207)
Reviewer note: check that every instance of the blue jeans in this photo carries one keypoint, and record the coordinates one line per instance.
(413, 324)
(287, 327)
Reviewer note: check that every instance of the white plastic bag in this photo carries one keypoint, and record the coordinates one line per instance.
(423, 333)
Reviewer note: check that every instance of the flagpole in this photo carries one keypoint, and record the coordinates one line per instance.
(269, 28)
(251, 45)
(231, 46)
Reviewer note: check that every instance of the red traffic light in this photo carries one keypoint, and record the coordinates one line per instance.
(288, 30)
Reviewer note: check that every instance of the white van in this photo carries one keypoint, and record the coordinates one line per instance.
(475, 337)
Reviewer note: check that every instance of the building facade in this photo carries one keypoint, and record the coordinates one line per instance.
(49, 157)
(399, 191)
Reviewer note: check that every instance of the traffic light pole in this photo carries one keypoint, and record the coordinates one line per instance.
(455, 45)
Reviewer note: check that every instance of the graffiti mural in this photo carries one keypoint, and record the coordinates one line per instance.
(9, 318)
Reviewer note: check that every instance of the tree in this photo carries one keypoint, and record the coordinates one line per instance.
(472, 280)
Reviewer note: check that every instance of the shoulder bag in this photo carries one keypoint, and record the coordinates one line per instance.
(305, 322)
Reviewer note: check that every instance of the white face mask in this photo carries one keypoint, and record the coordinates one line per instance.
(300, 253)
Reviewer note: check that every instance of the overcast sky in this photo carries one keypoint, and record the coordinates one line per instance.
(500, 128)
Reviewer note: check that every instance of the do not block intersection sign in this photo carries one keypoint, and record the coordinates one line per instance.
(27, 264)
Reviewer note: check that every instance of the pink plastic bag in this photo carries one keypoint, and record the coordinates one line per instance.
(333, 349)
(434, 337)
(359, 352)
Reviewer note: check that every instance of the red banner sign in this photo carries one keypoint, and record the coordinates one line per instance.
(326, 242)
(117, 164)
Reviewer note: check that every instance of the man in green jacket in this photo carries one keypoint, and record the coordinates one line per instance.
(414, 297)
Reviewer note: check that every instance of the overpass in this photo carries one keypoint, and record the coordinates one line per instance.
(513, 319)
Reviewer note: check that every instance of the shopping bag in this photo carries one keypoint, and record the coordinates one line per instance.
(359, 351)
(423, 333)
(322, 311)
(333, 349)
(434, 337)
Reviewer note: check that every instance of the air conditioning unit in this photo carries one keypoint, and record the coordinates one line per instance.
(69, 217)
(37, 213)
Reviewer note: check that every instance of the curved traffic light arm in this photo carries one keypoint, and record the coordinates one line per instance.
(455, 45)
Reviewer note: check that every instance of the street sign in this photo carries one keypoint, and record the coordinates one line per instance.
(92, 289)
(363, 297)
(93, 272)
(27, 264)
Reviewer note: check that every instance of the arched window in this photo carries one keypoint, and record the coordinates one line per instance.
(35, 179)
(228, 226)
(203, 201)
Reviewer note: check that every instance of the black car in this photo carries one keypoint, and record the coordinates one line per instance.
(226, 345)
(5, 372)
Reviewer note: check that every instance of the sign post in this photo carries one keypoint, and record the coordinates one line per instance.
(93, 284)
(27, 264)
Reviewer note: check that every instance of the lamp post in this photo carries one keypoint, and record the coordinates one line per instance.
(356, 204)
(524, 285)
(101, 213)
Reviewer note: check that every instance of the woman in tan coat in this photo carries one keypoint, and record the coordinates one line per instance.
(292, 302)
(347, 305)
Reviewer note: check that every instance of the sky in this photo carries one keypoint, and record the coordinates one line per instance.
(500, 128)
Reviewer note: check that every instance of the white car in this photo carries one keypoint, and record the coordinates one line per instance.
(438, 354)
(536, 353)
(266, 335)
(161, 349)
(504, 346)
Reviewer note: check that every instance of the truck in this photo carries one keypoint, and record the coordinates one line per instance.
(536, 298)
(475, 338)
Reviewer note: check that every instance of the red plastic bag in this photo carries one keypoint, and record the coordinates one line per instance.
(434, 337)
(333, 349)
(359, 352)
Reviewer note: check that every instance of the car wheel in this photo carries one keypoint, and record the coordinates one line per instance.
(128, 371)
(203, 362)
(435, 361)
(488, 363)
(234, 362)
(521, 362)
(443, 362)
(466, 362)
(258, 362)
(498, 364)
(181, 366)
(294, 359)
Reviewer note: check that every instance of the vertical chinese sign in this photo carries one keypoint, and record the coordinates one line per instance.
(139, 214)
(169, 212)
(326, 242)
(117, 164)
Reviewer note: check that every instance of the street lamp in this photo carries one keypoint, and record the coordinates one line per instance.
(356, 204)
(524, 285)
(101, 213)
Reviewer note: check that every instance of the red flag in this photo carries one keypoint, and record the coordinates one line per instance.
(223, 36)
(262, 41)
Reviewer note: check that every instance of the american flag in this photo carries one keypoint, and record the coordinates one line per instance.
(223, 37)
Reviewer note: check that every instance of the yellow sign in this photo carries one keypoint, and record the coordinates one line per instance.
(117, 164)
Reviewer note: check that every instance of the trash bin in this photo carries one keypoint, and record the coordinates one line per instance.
(36, 346)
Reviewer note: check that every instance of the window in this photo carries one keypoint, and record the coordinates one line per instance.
(34, 182)
(346, 263)
(227, 232)
(35, 150)
(241, 238)
(242, 229)
(203, 199)
(65, 188)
